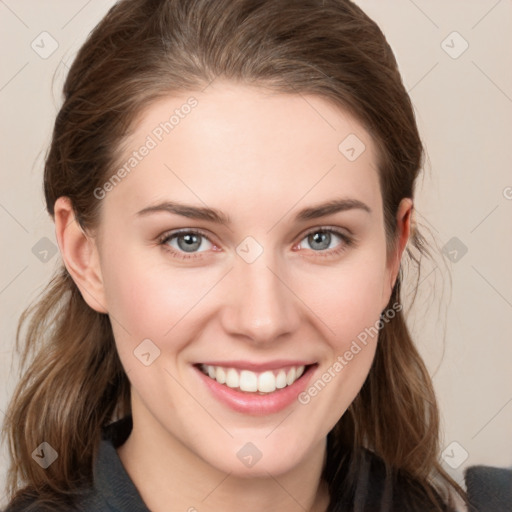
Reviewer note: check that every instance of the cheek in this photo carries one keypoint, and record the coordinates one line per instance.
(350, 304)
(351, 298)
(147, 299)
(148, 302)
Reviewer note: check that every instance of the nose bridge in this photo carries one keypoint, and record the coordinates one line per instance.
(262, 307)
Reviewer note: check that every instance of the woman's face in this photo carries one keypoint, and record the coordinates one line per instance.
(246, 241)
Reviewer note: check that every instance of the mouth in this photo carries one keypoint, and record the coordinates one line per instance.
(256, 389)
(249, 381)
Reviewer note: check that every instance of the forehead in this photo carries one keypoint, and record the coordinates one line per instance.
(232, 145)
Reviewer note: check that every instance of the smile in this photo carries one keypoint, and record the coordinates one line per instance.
(256, 388)
(254, 382)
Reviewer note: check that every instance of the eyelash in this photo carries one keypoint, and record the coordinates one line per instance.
(347, 242)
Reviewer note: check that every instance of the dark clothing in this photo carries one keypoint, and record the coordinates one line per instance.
(113, 490)
(489, 489)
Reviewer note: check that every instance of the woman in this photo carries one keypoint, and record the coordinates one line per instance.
(232, 185)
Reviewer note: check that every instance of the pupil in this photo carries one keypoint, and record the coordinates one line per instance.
(321, 238)
(191, 242)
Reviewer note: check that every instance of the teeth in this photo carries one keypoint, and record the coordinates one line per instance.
(248, 381)
(252, 382)
(232, 378)
(290, 376)
(220, 374)
(281, 379)
(266, 382)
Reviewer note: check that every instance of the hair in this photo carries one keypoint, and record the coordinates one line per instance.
(144, 50)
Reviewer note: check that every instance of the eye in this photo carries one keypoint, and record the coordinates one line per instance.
(190, 243)
(323, 240)
(186, 243)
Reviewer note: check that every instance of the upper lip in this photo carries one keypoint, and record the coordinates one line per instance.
(258, 367)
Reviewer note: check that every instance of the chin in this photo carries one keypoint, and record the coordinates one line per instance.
(259, 457)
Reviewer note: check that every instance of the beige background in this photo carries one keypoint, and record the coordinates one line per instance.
(464, 110)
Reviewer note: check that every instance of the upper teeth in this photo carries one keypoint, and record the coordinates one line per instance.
(246, 380)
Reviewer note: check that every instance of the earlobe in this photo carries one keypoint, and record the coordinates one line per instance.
(80, 255)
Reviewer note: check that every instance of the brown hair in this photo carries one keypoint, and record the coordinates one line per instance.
(143, 50)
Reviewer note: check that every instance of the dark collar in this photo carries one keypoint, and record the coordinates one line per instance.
(111, 481)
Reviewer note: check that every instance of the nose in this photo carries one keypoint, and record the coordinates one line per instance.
(261, 305)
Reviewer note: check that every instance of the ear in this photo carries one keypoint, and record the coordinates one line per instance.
(403, 231)
(80, 254)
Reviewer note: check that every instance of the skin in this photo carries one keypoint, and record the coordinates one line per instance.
(259, 157)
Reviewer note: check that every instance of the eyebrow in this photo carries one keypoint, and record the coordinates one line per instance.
(214, 215)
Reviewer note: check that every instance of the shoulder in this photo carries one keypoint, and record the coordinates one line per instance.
(489, 488)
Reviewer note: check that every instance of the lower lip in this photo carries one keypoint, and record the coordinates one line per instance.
(254, 404)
